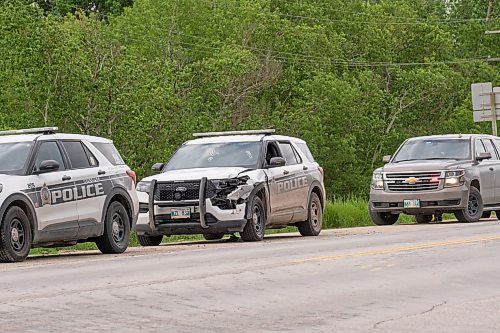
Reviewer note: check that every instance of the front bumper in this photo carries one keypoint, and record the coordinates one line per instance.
(439, 201)
(155, 216)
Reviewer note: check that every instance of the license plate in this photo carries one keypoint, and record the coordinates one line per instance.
(413, 203)
(180, 213)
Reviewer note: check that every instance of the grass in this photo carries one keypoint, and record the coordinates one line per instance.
(339, 213)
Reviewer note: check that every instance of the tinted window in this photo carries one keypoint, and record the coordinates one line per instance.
(305, 150)
(433, 149)
(479, 148)
(13, 156)
(288, 153)
(109, 151)
(77, 155)
(489, 148)
(93, 161)
(49, 151)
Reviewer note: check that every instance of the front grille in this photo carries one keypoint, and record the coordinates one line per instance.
(189, 190)
(401, 182)
(182, 191)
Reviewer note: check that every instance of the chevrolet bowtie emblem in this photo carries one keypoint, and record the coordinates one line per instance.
(411, 180)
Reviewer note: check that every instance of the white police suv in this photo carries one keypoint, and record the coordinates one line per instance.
(227, 182)
(60, 189)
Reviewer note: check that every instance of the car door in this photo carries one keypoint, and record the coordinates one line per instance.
(296, 183)
(487, 174)
(280, 200)
(494, 163)
(56, 209)
(90, 189)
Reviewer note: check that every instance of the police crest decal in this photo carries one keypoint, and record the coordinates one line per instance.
(45, 195)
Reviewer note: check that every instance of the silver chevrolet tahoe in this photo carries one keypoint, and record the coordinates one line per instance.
(431, 175)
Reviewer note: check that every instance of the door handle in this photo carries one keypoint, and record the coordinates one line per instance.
(64, 178)
(491, 169)
(305, 167)
(286, 172)
(101, 172)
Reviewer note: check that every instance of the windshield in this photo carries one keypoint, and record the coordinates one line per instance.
(13, 156)
(227, 154)
(434, 149)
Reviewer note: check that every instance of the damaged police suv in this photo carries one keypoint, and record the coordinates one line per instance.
(227, 182)
(60, 189)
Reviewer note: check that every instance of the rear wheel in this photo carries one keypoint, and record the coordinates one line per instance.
(116, 230)
(255, 227)
(213, 236)
(314, 223)
(15, 236)
(474, 209)
(383, 218)
(486, 215)
(149, 240)
(421, 218)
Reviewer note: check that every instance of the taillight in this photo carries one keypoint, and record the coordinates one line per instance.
(132, 175)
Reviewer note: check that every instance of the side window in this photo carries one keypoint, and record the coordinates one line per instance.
(76, 154)
(288, 153)
(93, 161)
(305, 150)
(49, 150)
(109, 151)
(272, 150)
(489, 148)
(479, 148)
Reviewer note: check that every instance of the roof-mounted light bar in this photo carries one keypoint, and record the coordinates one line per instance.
(41, 130)
(209, 134)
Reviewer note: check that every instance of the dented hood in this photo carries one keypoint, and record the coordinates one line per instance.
(195, 174)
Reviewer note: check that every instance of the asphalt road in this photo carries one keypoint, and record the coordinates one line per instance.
(408, 278)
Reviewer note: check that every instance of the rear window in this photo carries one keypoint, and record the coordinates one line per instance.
(305, 150)
(109, 151)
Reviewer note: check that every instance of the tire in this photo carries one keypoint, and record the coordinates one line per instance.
(213, 236)
(421, 218)
(116, 230)
(255, 227)
(486, 215)
(474, 209)
(15, 236)
(149, 240)
(383, 218)
(314, 223)
(497, 213)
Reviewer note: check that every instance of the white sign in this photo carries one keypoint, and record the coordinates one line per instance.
(484, 116)
(481, 96)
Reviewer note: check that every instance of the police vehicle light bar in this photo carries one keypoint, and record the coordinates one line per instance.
(41, 130)
(208, 134)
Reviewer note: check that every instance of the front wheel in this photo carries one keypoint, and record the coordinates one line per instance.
(422, 218)
(383, 218)
(314, 223)
(116, 230)
(149, 240)
(213, 236)
(255, 227)
(474, 209)
(15, 236)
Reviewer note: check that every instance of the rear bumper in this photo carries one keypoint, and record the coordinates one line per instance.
(445, 200)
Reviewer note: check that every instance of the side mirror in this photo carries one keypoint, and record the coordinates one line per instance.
(47, 166)
(483, 156)
(277, 162)
(386, 158)
(157, 167)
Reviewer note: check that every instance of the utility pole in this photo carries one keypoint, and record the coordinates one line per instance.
(491, 3)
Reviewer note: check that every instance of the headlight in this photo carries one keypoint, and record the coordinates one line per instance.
(230, 182)
(454, 178)
(143, 186)
(377, 181)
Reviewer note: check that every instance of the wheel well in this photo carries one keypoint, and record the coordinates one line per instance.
(475, 183)
(24, 206)
(320, 195)
(121, 199)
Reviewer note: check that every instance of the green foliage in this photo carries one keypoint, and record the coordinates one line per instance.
(339, 73)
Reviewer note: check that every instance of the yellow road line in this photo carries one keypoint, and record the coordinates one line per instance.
(401, 249)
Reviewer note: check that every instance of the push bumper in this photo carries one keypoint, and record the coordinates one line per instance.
(444, 200)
